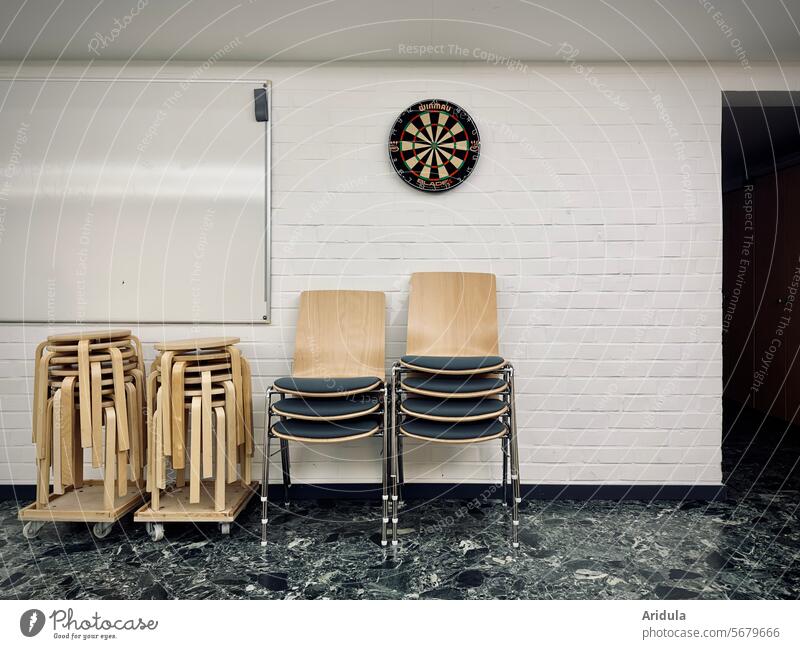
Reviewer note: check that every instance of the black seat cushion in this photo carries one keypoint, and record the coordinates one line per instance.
(453, 385)
(321, 430)
(326, 386)
(447, 432)
(325, 408)
(453, 363)
(454, 408)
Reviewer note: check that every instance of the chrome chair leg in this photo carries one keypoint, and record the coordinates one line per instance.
(265, 472)
(504, 452)
(288, 472)
(285, 470)
(515, 477)
(385, 468)
(395, 387)
(401, 480)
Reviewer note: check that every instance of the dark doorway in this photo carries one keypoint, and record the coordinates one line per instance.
(761, 288)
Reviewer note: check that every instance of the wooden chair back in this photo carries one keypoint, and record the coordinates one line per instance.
(340, 334)
(452, 314)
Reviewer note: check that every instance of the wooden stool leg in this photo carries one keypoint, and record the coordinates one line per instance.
(37, 386)
(150, 398)
(58, 486)
(219, 480)
(194, 460)
(166, 401)
(94, 416)
(122, 457)
(43, 477)
(236, 369)
(41, 399)
(247, 396)
(77, 452)
(85, 394)
(178, 411)
(141, 414)
(230, 433)
(67, 432)
(120, 399)
(109, 470)
(139, 355)
(208, 450)
(247, 469)
(139, 417)
(153, 473)
(122, 473)
(159, 453)
(133, 429)
(244, 469)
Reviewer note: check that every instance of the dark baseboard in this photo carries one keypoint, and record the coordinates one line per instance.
(465, 491)
(22, 493)
(625, 492)
(468, 491)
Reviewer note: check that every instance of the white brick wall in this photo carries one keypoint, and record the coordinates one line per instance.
(606, 246)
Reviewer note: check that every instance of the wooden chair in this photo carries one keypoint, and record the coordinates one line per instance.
(452, 386)
(337, 390)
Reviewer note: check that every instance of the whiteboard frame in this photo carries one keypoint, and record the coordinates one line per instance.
(267, 317)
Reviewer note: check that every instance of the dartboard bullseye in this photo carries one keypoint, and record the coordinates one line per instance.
(434, 145)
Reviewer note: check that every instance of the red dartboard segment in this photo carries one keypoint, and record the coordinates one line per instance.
(434, 145)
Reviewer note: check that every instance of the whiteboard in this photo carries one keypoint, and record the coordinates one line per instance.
(132, 201)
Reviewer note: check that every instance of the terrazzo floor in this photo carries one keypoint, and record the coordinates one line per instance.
(746, 547)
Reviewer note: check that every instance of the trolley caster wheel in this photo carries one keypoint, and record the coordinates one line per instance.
(155, 530)
(225, 528)
(31, 529)
(102, 530)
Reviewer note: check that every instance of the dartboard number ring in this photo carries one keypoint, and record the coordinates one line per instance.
(434, 145)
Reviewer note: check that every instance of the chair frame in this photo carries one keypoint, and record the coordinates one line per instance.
(381, 394)
(508, 444)
(305, 368)
(455, 314)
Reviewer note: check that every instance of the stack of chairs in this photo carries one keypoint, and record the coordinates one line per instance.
(337, 390)
(452, 387)
(89, 393)
(199, 417)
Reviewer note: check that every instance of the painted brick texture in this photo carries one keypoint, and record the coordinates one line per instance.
(603, 226)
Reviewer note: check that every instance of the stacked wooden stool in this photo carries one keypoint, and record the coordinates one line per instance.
(89, 393)
(200, 425)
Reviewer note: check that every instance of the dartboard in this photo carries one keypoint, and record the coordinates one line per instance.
(434, 145)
